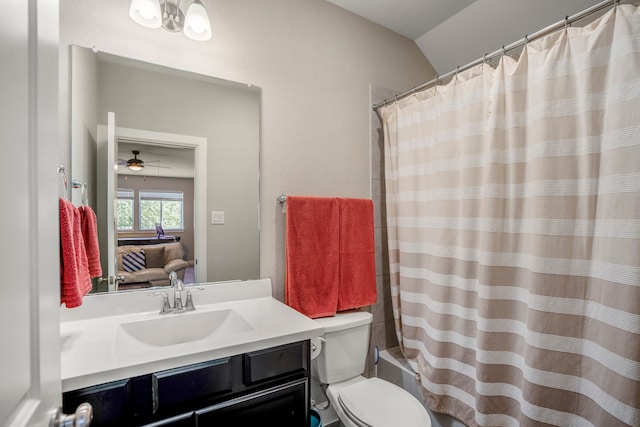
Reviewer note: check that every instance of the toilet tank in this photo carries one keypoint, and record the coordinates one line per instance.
(345, 347)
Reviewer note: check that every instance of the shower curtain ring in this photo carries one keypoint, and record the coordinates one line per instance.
(504, 51)
(566, 22)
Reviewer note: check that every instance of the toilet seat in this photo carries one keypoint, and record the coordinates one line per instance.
(378, 403)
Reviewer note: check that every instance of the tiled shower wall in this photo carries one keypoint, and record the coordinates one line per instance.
(383, 332)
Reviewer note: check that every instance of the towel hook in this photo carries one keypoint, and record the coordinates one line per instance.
(64, 179)
(83, 189)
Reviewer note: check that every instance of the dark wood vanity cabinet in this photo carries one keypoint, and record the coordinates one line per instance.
(265, 387)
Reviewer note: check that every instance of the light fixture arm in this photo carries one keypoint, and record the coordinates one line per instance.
(172, 16)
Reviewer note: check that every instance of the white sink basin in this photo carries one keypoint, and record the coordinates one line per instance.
(173, 329)
(119, 335)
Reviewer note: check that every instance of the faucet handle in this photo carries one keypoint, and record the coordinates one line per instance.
(166, 307)
(189, 304)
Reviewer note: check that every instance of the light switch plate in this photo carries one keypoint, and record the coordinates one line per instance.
(217, 217)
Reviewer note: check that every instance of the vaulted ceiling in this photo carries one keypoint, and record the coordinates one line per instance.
(452, 33)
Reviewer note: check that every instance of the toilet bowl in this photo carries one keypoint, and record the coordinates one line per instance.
(360, 401)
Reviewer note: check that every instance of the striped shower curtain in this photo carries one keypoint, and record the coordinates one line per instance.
(513, 209)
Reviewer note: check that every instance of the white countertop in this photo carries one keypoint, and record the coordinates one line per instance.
(93, 351)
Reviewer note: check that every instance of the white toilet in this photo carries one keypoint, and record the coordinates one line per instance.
(358, 401)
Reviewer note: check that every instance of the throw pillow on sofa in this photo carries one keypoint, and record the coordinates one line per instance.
(133, 261)
(154, 256)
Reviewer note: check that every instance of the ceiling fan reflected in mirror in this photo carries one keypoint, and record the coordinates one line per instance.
(136, 164)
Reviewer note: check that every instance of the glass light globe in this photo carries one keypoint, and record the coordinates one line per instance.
(196, 23)
(146, 13)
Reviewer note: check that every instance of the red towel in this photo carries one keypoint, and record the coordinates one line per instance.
(357, 254)
(90, 236)
(312, 238)
(74, 268)
(330, 255)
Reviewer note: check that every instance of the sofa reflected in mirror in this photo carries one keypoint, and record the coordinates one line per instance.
(145, 266)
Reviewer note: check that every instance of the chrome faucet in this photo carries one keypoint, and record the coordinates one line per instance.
(178, 286)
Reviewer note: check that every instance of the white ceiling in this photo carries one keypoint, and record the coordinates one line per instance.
(452, 33)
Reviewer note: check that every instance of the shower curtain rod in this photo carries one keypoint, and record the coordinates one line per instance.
(487, 57)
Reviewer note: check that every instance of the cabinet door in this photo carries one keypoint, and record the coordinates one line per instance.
(110, 402)
(184, 420)
(285, 406)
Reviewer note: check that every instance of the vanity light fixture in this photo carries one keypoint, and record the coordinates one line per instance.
(168, 15)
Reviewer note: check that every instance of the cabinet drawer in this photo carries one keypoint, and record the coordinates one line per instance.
(111, 402)
(274, 362)
(184, 420)
(191, 383)
(286, 405)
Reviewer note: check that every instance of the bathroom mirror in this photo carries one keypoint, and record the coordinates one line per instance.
(167, 118)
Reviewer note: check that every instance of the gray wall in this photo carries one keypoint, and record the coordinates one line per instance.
(84, 73)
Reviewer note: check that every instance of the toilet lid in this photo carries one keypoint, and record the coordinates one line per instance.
(378, 403)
